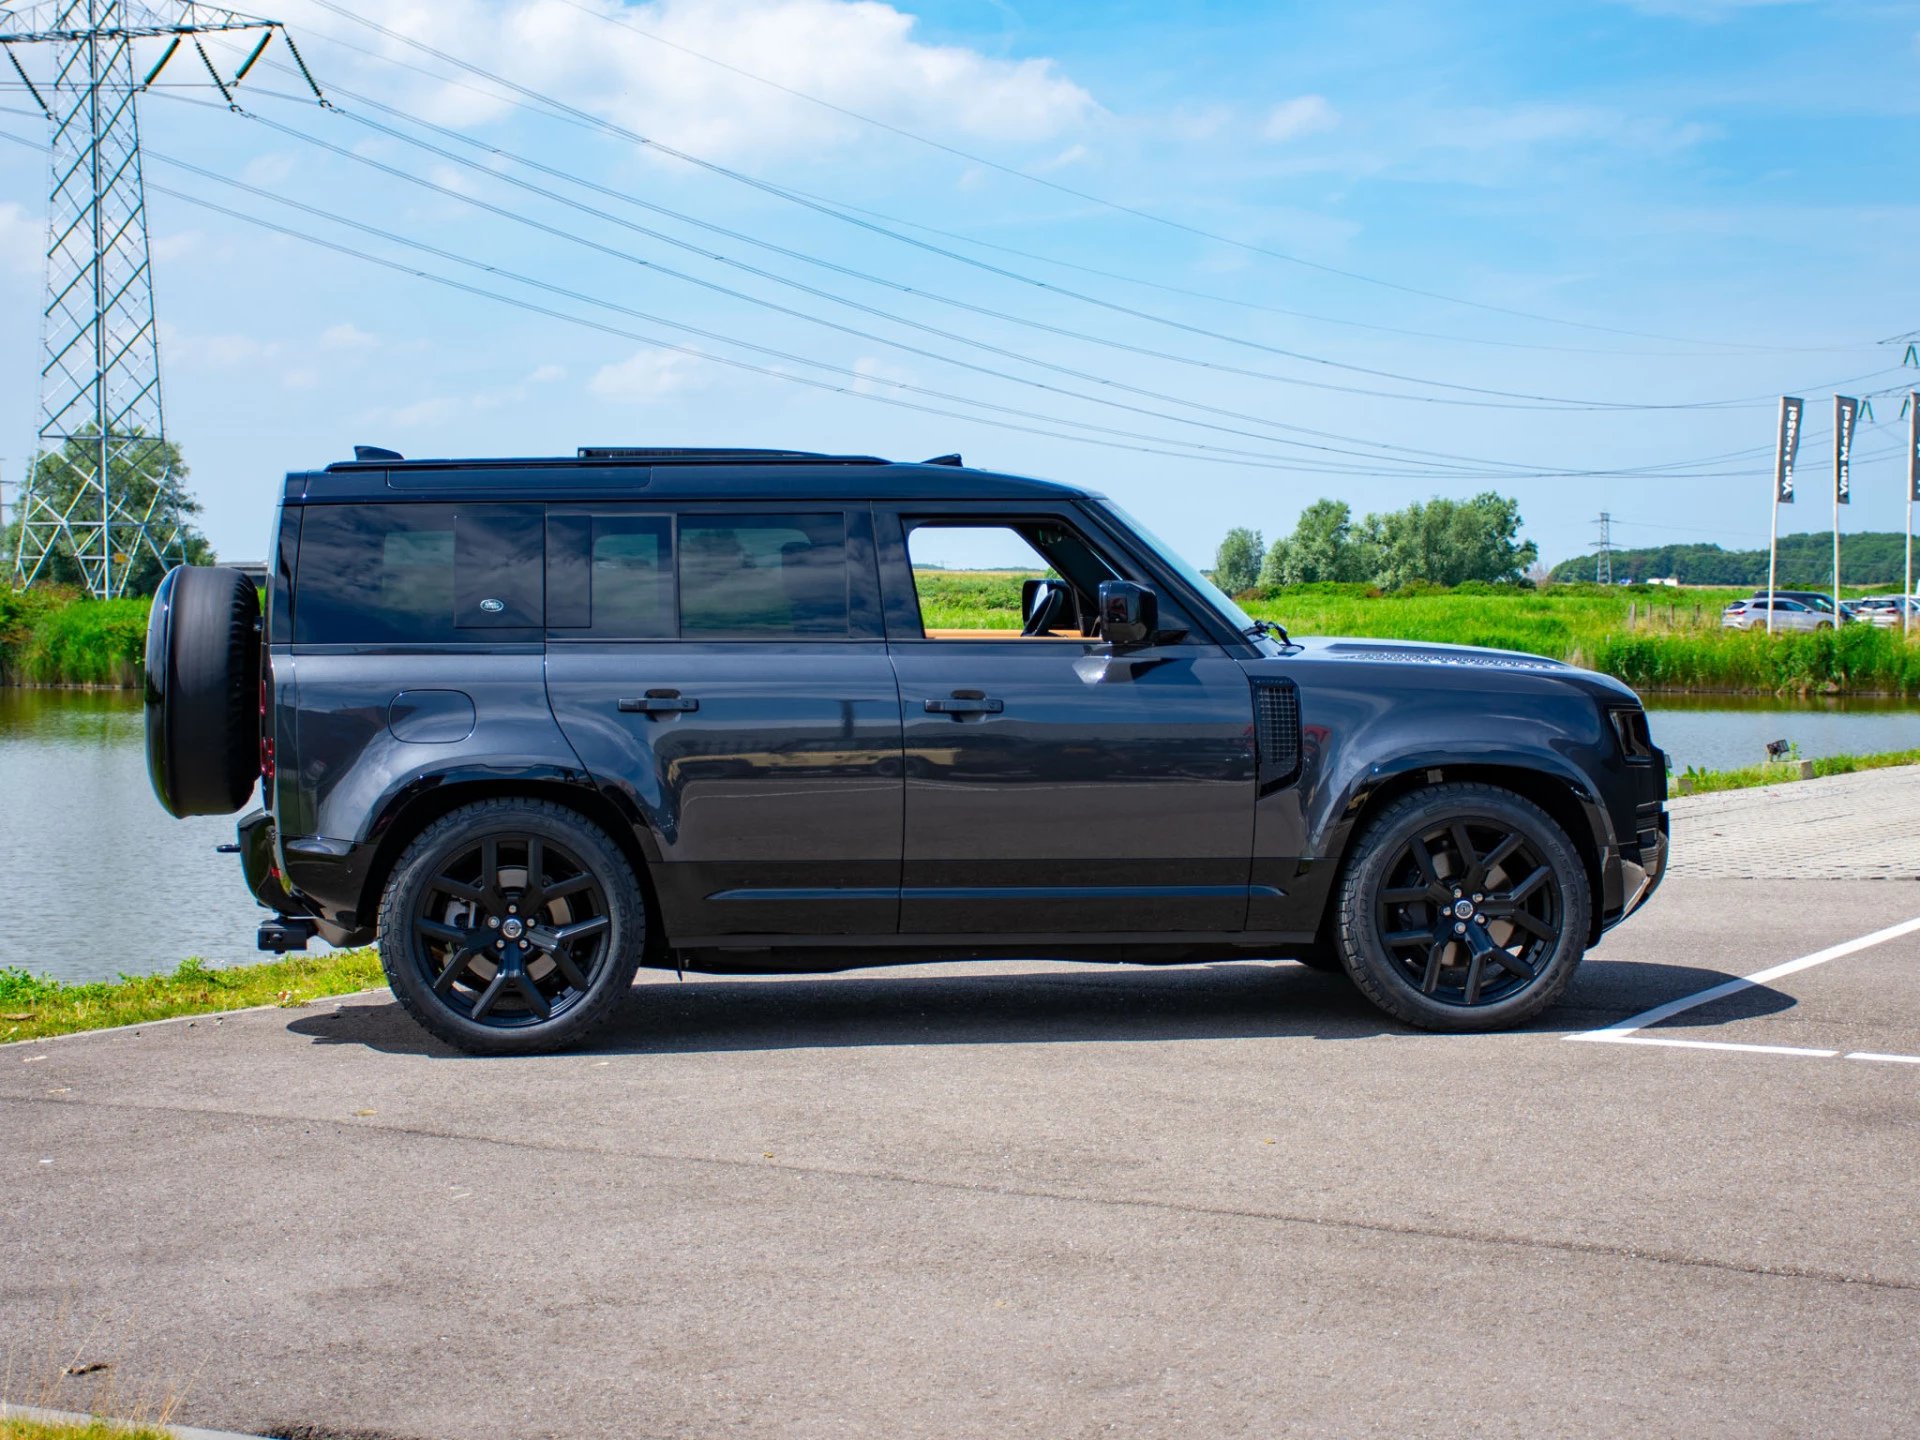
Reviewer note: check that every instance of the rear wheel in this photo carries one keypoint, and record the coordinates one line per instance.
(512, 927)
(1464, 907)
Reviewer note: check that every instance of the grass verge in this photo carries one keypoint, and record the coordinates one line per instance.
(32, 1008)
(1705, 782)
(22, 1429)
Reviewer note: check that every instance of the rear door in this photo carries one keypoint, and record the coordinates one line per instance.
(1051, 787)
(723, 673)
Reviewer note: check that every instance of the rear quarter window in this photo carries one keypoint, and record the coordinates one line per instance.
(417, 574)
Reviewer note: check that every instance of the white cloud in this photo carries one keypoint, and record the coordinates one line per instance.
(1302, 115)
(165, 249)
(419, 414)
(862, 54)
(521, 389)
(347, 336)
(23, 240)
(646, 376)
(214, 351)
(304, 378)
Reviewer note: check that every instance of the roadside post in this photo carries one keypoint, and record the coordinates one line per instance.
(1846, 411)
(1785, 448)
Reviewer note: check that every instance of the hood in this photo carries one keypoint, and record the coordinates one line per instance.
(1458, 659)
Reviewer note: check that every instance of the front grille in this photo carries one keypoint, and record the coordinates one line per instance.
(1276, 728)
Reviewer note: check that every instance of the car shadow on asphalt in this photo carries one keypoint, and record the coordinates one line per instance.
(1242, 1000)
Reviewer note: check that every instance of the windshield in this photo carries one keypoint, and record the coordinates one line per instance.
(1208, 591)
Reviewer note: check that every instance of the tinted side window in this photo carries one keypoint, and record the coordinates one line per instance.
(610, 576)
(764, 577)
(416, 574)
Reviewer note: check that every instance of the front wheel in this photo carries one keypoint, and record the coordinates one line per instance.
(511, 927)
(1463, 907)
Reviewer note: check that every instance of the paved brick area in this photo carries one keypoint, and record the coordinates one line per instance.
(1844, 827)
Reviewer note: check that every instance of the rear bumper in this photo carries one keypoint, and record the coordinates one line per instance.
(260, 863)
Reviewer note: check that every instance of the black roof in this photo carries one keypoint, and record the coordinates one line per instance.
(660, 473)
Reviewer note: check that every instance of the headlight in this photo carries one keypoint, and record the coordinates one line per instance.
(1630, 727)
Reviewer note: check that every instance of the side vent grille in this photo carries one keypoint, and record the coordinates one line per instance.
(1276, 728)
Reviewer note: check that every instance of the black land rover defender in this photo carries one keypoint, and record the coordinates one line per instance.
(534, 723)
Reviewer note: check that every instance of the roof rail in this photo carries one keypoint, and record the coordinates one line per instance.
(666, 455)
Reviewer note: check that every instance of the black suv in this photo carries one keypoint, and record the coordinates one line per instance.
(534, 723)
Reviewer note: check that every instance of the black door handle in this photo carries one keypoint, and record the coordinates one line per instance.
(659, 702)
(966, 702)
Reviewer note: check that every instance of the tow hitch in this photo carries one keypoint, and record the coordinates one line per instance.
(284, 933)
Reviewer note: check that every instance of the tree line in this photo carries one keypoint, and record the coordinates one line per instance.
(1439, 541)
(60, 475)
(1806, 562)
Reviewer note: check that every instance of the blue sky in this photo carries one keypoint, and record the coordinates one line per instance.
(1732, 178)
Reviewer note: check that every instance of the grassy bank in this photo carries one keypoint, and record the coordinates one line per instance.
(1703, 782)
(19, 1428)
(1651, 637)
(31, 1007)
(60, 637)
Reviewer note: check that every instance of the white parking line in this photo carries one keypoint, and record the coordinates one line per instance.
(1621, 1031)
(1893, 1059)
(1710, 1045)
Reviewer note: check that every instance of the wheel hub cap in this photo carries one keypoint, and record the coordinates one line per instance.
(513, 929)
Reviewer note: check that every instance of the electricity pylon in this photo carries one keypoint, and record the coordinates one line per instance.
(1603, 558)
(103, 488)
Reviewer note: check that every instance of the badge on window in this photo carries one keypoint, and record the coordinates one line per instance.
(493, 607)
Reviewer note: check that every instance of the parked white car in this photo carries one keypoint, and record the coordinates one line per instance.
(1787, 615)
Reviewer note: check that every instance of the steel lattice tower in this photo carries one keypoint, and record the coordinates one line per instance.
(101, 485)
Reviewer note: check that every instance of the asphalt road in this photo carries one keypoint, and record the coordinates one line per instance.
(1009, 1200)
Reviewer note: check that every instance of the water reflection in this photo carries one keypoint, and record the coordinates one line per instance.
(1721, 732)
(95, 878)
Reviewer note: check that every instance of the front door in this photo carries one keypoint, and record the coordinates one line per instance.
(723, 676)
(1052, 787)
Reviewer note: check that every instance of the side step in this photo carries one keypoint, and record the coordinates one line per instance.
(284, 933)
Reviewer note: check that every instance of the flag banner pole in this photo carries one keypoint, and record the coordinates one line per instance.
(1846, 411)
(1913, 493)
(1786, 447)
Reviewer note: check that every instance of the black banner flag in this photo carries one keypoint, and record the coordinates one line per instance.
(1913, 446)
(1787, 449)
(1846, 411)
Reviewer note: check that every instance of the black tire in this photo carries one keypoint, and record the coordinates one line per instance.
(1442, 969)
(450, 936)
(203, 690)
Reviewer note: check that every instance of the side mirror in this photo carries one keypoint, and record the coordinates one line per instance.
(1129, 613)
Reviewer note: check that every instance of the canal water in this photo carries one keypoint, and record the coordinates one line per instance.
(96, 880)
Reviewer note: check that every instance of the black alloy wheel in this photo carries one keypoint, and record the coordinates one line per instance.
(511, 927)
(1472, 911)
(1463, 907)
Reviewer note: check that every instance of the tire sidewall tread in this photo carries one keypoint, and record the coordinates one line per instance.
(625, 901)
(1366, 960)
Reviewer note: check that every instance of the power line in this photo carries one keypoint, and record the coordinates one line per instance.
(1531, 401)
(1074, 191)
(1545, 402)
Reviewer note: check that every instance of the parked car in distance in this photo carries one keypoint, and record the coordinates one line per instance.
(1889, 612)
(533, 723)
(1816, 600)
(1787, 615)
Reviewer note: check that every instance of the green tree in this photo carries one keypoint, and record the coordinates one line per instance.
(1236, 564)
(1323, 546)
(1447, 542)
(59, 476)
